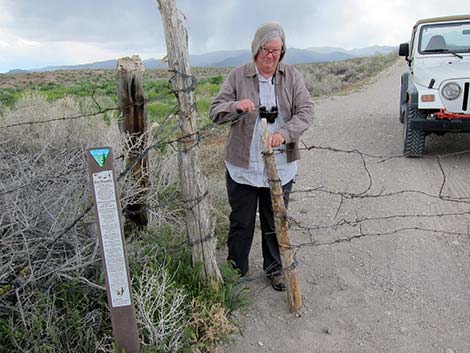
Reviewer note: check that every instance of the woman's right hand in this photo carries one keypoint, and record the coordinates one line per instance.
(245, 105)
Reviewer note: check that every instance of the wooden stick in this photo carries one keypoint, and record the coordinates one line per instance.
(294, 297)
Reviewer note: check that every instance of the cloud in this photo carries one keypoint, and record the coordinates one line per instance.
(30, 55)
(84, 20)
(105, 29)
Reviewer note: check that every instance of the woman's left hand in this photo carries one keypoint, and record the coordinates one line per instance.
(276, 139)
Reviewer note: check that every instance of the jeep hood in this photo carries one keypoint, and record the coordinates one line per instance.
(452, 68)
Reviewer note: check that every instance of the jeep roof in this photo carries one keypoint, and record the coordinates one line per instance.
(443, 19)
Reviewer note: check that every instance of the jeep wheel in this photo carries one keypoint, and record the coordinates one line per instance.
(413, 139)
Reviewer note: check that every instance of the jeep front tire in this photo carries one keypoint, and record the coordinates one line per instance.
(413, 144)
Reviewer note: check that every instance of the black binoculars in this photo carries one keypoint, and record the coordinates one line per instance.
(269, 116)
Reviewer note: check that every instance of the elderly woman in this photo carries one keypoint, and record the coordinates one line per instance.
(268, 88)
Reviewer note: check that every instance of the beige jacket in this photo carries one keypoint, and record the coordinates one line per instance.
(293, 98)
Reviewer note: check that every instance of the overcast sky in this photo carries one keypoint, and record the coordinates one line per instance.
(38, 33)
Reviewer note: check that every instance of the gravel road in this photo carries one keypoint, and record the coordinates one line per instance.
(383, 253)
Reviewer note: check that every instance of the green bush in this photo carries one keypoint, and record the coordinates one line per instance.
(68, 317)
(164, 246)
(73, 317)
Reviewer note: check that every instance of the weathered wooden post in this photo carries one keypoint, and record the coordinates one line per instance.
(133, 123)
(294, 297)
(200, 222)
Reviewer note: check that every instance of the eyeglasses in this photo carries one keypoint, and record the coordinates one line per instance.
(274, 52)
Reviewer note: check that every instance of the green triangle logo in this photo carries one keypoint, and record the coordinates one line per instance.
(100, 155)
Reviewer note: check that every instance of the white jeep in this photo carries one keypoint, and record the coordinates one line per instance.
(435, 93)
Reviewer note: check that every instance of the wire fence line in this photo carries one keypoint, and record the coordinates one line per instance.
(210, 130)
(31, 251)
(168, 137)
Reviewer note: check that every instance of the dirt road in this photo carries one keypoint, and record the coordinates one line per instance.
(401, 283)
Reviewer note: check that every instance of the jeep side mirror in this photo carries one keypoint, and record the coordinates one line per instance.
(404, 49)
(466, 31)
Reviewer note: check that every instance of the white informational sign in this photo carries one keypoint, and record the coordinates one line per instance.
(111, 238)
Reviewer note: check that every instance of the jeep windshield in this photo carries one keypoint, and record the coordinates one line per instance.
(445, 38)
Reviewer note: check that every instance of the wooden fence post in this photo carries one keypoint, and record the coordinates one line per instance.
(133, 124)
(200, 222)
(294, 297)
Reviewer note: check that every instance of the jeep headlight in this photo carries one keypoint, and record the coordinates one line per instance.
(451, 91)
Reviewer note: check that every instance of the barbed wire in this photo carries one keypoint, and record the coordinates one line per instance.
(199, 134)
(207, 130)
(98, 113)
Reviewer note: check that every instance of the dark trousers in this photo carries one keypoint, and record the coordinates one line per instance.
(243, 200)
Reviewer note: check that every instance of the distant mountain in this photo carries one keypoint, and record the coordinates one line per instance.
(302, 56)
(293, 56)
(235, 57)
(216, 58)
(361, 52)
(106, 65)
(99, 65)
(18, 71)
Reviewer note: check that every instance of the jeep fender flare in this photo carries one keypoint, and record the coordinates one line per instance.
(408, 95)
(412, 94)
(404, 87)
(403, 95)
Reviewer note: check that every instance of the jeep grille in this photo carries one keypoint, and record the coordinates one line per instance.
(466, 97)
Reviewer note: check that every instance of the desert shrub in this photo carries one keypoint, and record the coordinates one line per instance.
(43, 191)
(158, 89)
(203, 104)
(68, 317)
(341, 76)
(160, 307)
(8, 97)
(209, 88)
(51, 284)
(168, 288)
(157, 111)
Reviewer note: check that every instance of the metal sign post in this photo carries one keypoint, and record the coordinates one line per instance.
(113, 252)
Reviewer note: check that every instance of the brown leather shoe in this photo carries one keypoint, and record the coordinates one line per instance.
(277, 281)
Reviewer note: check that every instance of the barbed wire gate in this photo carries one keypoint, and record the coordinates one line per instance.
(12, 189)
(47, 232)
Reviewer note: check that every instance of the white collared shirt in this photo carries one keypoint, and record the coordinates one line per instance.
(256, 174)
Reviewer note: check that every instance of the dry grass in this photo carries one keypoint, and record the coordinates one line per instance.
(210, 323)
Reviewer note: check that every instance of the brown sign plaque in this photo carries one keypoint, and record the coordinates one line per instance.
(113, 252)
